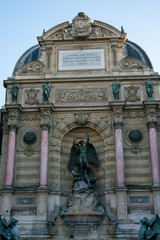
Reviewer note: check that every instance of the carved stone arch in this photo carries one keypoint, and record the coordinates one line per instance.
(61, 147)
(66, 144)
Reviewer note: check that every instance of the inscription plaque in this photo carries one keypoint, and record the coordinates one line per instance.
(81, 59)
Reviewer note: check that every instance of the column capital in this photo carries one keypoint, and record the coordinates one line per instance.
(45, 126)
(12, 126)
(152, 123)
(118, 124)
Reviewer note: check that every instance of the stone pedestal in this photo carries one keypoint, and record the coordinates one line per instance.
(83, 215)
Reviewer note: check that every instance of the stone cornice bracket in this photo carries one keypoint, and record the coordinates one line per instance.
(152, 123)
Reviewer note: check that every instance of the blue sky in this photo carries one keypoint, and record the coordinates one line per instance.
(23, 20)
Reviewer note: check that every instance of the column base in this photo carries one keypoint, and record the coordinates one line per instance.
(156, 185)
(8, 187)
(121, 186)
(42, 187)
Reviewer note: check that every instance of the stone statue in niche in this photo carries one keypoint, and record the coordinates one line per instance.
(150, 229)
(9, 231)
(14, 92)
(46, 92)
(82, 154)
(83, 202)
(149, 89)
(116, 89)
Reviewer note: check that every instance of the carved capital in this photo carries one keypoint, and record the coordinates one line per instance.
(152, 123)
(118, 124)
(45, 126)
(12, 126)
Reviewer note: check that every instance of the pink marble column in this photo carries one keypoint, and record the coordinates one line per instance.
(154, 153)
(10, 156)
(44, 155)
(119, 153)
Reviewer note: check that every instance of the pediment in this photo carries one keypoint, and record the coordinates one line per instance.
(34, 67)
(82, 28)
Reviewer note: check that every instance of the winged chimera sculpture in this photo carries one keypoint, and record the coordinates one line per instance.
(82, 155)
(150, 229)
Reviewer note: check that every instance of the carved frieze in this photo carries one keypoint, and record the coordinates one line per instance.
(32, 67)
(132, 93)
(31, 96)
(30, 118)
(134, 115)
(81, 95)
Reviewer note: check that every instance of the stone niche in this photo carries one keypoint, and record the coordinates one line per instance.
(97, 141)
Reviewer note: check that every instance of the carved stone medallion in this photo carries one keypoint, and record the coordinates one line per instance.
(135, 136)
(30, 138)
(81, 26)
(132, 94)
(32, 96)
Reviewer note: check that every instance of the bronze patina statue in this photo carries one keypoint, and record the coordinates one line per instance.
(82, 155)
(149, 89)
(150, 229)
(9, 231)
(46, 91)
(116, 89)
(14, 92)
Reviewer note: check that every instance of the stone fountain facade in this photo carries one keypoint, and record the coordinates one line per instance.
(80, 61)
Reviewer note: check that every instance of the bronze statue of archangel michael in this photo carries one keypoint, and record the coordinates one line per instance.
(82, 155)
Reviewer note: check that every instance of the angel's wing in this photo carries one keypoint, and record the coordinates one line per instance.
(73, 160)
(92, 155)
(154, 227)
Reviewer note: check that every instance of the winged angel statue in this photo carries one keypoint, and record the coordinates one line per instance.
(82, 155)
(150, 229)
